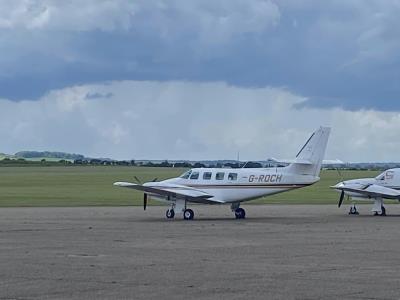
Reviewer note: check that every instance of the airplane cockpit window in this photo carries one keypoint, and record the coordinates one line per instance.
(220, 176)
(380, 177)
(232, 176)
(207, 175)
(186, 175)
(195, 175)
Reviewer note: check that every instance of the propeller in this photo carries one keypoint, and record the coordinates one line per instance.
(340, 174)
(140, 182)
(342, 194)
(137, 180)
(145, 201)
(341, 199)
(145, 196)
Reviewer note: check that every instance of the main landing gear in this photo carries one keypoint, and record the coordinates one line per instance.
(188, 214)
(383, 212)
(379, 209)
(240, 213)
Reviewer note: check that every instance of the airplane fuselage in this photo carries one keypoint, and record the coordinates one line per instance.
(238, 185)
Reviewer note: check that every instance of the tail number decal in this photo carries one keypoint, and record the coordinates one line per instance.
(266, 178)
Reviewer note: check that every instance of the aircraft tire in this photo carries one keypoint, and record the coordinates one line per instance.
(240, 213)
(188, 214)
(383, 214)
(170, 214)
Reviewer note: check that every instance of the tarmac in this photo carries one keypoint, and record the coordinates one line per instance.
(278, 252)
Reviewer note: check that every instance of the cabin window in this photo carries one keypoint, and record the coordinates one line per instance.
(232, 176)
(389, 175)
(195, 175)
(186, 175)
(207, 175)
(220, 176)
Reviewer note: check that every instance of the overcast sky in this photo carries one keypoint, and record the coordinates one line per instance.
(181, 79)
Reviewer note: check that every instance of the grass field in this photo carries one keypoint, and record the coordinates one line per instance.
(91, 186)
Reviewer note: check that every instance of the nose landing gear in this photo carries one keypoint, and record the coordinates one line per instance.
(170, 214)
(353, 210)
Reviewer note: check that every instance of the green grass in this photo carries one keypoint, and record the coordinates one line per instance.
(92, 185)
(73, 186)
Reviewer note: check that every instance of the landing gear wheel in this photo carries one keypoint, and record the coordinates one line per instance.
(170, 214)
(188, 214)
(353, 210)
(383, 214)
(240, 213)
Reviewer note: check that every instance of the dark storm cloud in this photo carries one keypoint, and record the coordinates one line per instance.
(335, 53)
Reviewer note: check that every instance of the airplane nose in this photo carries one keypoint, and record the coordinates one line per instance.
(339, 185)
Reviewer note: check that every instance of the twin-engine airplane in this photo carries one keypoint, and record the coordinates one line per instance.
(384, 186)
(234, 186)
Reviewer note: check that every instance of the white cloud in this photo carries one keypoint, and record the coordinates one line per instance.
(186, 120)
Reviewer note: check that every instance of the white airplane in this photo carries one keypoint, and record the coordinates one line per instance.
(234, 186)
(384, 186)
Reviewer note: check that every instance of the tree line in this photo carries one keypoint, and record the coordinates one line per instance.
(99, 162)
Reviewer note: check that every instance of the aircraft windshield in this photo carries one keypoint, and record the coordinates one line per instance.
(381, 176)
(387, 175)
(186, 175)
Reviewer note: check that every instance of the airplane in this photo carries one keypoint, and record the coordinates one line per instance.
(384, 186)
(234, 186)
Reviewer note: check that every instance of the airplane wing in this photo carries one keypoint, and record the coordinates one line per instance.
(371, 190)
(174, 191)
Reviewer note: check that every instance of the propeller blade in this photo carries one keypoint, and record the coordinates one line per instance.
(145, 201)
(341, 199)
(137, 180)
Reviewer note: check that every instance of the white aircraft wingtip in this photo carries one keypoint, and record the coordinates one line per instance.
(123, 184)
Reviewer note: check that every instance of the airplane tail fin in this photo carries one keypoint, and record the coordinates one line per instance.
(309, 159)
